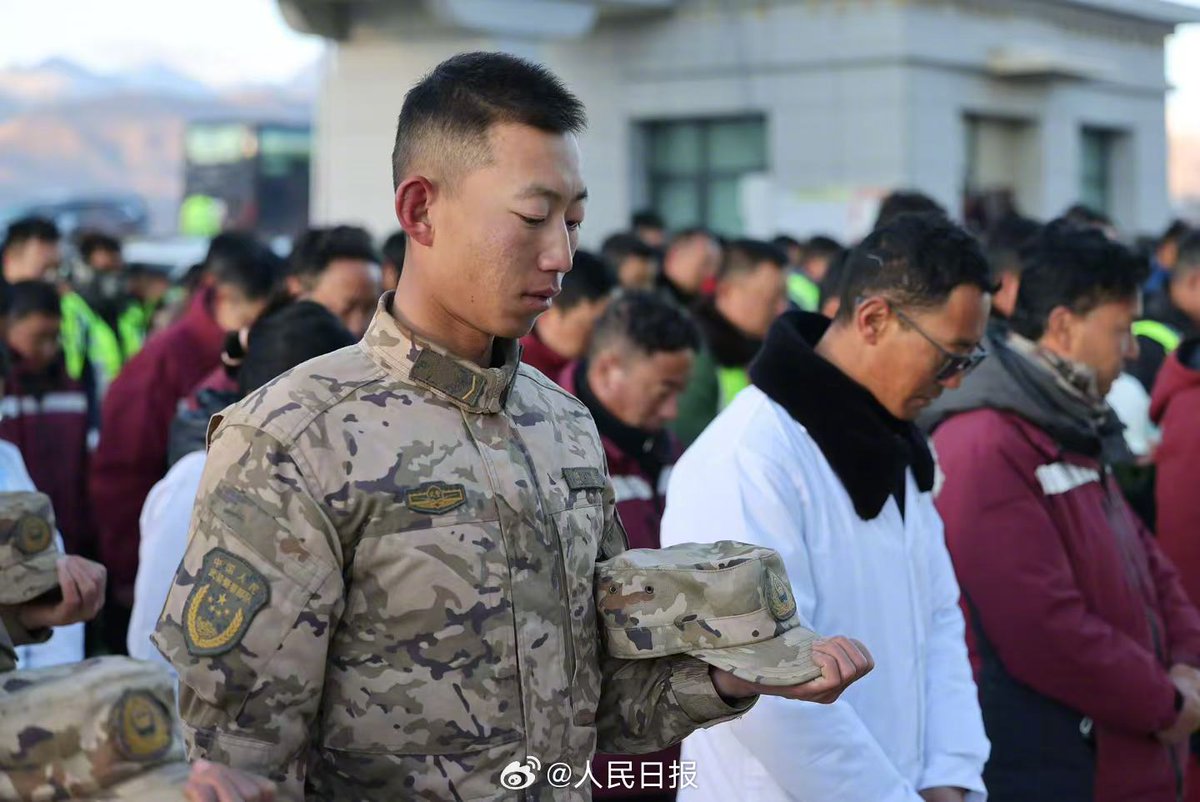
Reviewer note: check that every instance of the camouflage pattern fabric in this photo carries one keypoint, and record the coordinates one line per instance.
(388, 588)
(729, 604)
(28, 566)
(100, 729)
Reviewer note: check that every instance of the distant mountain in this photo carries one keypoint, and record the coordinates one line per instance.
(66, 131)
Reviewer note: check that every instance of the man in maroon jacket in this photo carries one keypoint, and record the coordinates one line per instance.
(638, 363)
(140, 404)
(1083, 640)
(45, 413)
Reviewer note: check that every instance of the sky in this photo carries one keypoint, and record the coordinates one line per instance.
(226, 42)
(220, 42)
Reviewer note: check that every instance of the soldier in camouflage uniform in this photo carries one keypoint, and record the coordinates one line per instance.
(388, 588)
(40, 588)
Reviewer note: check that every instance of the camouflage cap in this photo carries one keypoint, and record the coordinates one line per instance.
(100, 729)
(729, 604)
(28, 551)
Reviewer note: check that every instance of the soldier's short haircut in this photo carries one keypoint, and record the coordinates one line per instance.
(241, 261)
(588, 280)
(743, 256)
(916, 261)
(444, 122)
(646, 323)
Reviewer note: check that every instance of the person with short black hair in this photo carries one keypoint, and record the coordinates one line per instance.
(1087, 217)
(338, 268)
(562, 333)
(634, 263)
(1003, 246)
(1172, 315)
(46, 413)
(751, 292)
(691, 260)
(30, 251)
(638, 363)
(649, 226)
(809, 269)
(905, 201)
(282, 338)
(100, 252)
(242, 275)
(1080, 630)
(820, 461)
(393, 259)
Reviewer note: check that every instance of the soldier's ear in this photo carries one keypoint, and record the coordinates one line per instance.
(414, 197)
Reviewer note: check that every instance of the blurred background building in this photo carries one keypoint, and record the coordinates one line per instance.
(754, 116)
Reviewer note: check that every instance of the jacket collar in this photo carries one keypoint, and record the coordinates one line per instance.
(416, 360)
(868, 448)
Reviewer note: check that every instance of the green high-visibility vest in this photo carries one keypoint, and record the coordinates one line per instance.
(87, 337)
(731, 381)
(803, 291)
(1160, 333)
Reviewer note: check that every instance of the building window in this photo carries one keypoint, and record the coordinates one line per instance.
(694, 169)
(1095, 168)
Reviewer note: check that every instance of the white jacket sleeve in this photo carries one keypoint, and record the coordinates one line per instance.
(165, 520)
(813, 752)
(956, 747)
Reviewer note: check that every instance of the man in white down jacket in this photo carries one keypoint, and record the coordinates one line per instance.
(820, 461)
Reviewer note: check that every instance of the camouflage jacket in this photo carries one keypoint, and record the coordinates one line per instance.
(388, 587)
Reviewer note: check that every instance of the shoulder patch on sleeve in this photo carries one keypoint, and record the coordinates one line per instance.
(227, 595)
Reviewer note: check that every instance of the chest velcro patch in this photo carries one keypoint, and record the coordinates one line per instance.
(584, 478)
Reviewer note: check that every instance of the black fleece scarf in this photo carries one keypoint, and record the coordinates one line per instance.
(868, 448)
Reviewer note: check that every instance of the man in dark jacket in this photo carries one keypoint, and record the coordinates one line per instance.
(1171, 314)
(751, 292)
(143, 400)
(1082, 638)
(638, 364)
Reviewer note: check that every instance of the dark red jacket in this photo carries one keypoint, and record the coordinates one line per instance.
(136, 422)
(1074, 613)
(46, 417)
(641, 500)
(541, 356)
(1175, 406)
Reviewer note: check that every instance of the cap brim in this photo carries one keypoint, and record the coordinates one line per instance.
(30, 578)
(785, 660)
(161, 784)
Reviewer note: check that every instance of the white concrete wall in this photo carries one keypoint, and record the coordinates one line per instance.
(858, 98)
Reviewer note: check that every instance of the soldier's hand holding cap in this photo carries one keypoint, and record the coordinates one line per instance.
(212, 782)
(731, 605)
(81, 583)
(843, 661)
